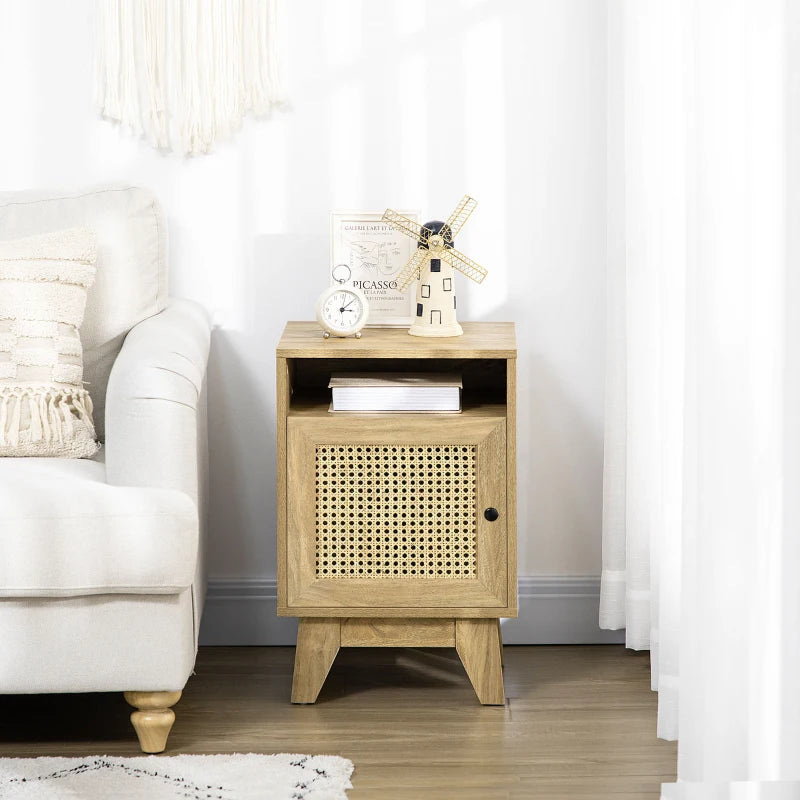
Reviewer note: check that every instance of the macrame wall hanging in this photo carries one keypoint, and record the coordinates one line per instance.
(183, 73)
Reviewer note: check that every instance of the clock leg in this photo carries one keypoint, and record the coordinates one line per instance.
(358, 334)
(326, 335)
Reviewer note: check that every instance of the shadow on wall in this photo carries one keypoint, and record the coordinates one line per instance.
(561, 495)
(522, 130)
(559, 444)
(242, 447)
(242, 438)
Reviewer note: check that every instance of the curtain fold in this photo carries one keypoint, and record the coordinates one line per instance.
(702, 469)
(643, 477)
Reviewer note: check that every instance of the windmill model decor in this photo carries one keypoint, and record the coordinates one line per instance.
(433, 264)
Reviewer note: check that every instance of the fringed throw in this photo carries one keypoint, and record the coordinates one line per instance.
(183, 73)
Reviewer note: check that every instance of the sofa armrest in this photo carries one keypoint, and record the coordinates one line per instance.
(155, 403)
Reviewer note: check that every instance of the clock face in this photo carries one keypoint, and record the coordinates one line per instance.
(342, 311)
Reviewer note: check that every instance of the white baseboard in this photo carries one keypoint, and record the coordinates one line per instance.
(552, 610)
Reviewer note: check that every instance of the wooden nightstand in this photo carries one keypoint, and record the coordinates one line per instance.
(397, 530)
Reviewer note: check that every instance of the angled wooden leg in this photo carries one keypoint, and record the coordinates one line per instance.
(153, 720)
(318, 642)
(478, 646)
(500, 639)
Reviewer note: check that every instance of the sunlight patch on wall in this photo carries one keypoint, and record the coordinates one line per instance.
(270, 162)
(214, 256)
(410, 17)
(482, 59)
(345, 132)
(343, 25)
(19, 160)
(412, 116)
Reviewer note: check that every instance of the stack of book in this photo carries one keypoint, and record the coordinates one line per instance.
(395, 391)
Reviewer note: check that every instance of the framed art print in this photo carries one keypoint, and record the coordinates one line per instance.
(374, 254)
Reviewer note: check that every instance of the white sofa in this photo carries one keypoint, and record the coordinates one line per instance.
(102, 575)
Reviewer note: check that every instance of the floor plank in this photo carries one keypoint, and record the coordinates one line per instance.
(579, 722)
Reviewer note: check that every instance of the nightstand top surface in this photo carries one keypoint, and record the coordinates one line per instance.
(480, 340)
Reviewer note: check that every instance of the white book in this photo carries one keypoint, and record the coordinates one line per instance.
(395, 391)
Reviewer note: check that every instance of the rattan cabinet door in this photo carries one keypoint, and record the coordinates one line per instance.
(388, 513)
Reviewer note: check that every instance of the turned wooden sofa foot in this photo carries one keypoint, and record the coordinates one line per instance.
(153, 719)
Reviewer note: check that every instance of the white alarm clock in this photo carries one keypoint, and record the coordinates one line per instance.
(342, 310)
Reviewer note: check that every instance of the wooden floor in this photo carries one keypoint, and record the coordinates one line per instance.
(579, 722)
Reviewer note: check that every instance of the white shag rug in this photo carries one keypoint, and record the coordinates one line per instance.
(222, 777)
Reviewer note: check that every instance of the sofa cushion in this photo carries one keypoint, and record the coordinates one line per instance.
(44, 408)
(131, 280)
(65, 532)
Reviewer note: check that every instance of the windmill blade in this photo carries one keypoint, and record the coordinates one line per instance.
(411, 270)
(404, 224)
(472, 269)
(459, 216)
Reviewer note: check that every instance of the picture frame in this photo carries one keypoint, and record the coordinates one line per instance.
(374, 254)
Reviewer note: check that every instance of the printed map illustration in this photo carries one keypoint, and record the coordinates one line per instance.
(375, 253)
(375, 257)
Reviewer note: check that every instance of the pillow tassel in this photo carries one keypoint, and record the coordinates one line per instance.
(67, 416)
(55, 418)
(13, 431)
(3, 417)
(36, 422)
(83, 405)
(43, 417)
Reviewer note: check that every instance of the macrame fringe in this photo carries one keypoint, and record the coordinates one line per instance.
(52, 414)
(107, 79)
(183, 73)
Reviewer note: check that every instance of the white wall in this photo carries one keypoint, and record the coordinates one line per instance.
(402, 103)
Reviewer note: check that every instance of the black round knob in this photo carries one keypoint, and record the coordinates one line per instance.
(491, 514)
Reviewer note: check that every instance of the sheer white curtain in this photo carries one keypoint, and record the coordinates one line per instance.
(701, 539)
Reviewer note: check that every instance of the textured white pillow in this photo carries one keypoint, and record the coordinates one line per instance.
(44, 408)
